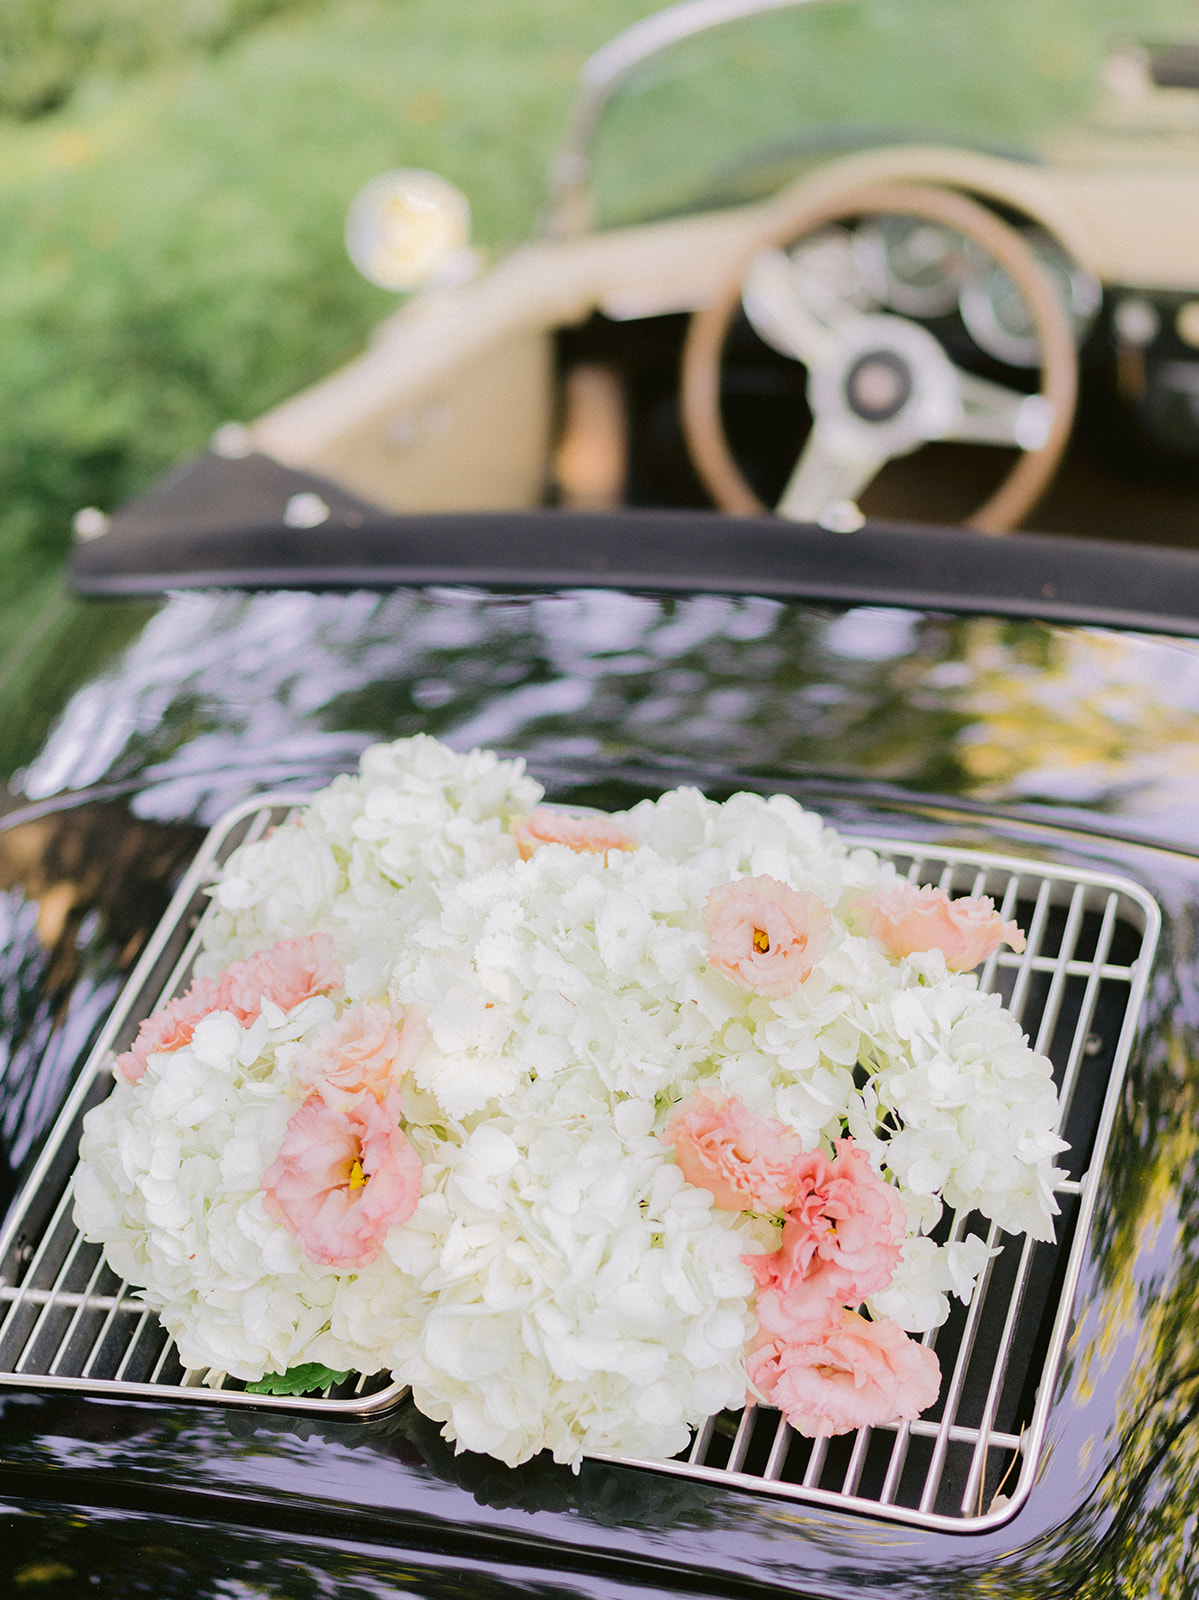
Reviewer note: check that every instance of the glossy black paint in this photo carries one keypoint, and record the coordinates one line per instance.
(55, 1550)
(1078, 745)
(177, 708)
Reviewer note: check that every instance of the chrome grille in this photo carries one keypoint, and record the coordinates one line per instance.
(69, 1322)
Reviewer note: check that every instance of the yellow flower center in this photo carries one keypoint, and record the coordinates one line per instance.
(357, 1176)
(761, 941)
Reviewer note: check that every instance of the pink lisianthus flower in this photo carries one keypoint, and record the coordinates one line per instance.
(342, 1178)
(905, 920)
(171, 1027)
(849, 1374)
(289, 972)
(842, 1239)
(591, 835)
(745, 1161)
(764, 934)
(368, 1049)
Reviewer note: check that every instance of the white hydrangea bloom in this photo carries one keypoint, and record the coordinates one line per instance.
(560, 1285)
(170, 1182)
(571, 1292)
(416, 814)
(917, 1295)
(978, 1107)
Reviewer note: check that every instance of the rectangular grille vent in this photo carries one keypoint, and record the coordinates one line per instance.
(66, 1321)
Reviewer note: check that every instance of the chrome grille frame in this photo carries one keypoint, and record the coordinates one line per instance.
(66, 1322)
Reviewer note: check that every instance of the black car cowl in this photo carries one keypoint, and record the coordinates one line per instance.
(894, 722)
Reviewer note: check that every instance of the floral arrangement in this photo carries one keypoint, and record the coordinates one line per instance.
(583, 1127)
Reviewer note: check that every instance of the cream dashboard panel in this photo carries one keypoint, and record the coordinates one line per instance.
(472, 438)
(452, 406)
(1145, 224)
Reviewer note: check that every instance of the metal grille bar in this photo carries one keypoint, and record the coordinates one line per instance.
(67, 1321)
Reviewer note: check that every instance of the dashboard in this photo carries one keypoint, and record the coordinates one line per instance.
(1135, 448)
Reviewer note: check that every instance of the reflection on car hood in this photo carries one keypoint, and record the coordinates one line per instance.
(216, 695)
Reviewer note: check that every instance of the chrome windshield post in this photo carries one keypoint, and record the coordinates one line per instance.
(569, 209)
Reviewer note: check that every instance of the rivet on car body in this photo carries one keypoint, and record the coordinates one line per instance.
(305, 510)
(90, 523)
(232, 442)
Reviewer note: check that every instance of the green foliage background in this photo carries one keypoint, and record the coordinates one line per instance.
(174, 176)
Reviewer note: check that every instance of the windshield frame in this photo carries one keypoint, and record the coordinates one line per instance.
(1094, 84)
(1050, 577)
(570, 209)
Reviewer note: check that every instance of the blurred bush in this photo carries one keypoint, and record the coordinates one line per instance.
(171, 235)
(48, 46)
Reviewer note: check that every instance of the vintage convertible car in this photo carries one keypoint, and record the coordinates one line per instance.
(488, 529)
(949, 247)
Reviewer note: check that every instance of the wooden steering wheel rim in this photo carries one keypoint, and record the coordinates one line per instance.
(1029, 477)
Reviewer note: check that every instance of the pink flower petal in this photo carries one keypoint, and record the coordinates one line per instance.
(745, 1161)
(171, 1026)
(906, 919)
(585, 834)
(368, 1049)
(289, 972)
(342, 1178)
(842, 1239)
(850, 1374)
(765, 935)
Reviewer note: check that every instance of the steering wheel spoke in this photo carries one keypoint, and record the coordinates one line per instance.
(779, 311)
(994, 414)
(830, 470)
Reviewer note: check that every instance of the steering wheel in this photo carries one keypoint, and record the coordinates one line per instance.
(881, 385)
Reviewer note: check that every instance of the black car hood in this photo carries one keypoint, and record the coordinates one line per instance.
(129, 727)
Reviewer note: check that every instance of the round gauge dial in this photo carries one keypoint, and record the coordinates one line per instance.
(915, 267)
(997, 317)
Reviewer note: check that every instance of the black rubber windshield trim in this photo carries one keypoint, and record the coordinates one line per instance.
(1020, 575)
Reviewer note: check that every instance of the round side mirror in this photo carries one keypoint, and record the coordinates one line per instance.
(410, 229)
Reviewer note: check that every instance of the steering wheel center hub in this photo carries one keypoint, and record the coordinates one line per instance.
(884, 388)
(878, 385)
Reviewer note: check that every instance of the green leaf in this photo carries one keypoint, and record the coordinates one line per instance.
(306, 1379)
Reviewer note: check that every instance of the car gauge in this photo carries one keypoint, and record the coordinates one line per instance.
(913, 266)
(997, 317)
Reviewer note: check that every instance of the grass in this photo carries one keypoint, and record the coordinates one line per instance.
(48, 47)
(170, 236)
